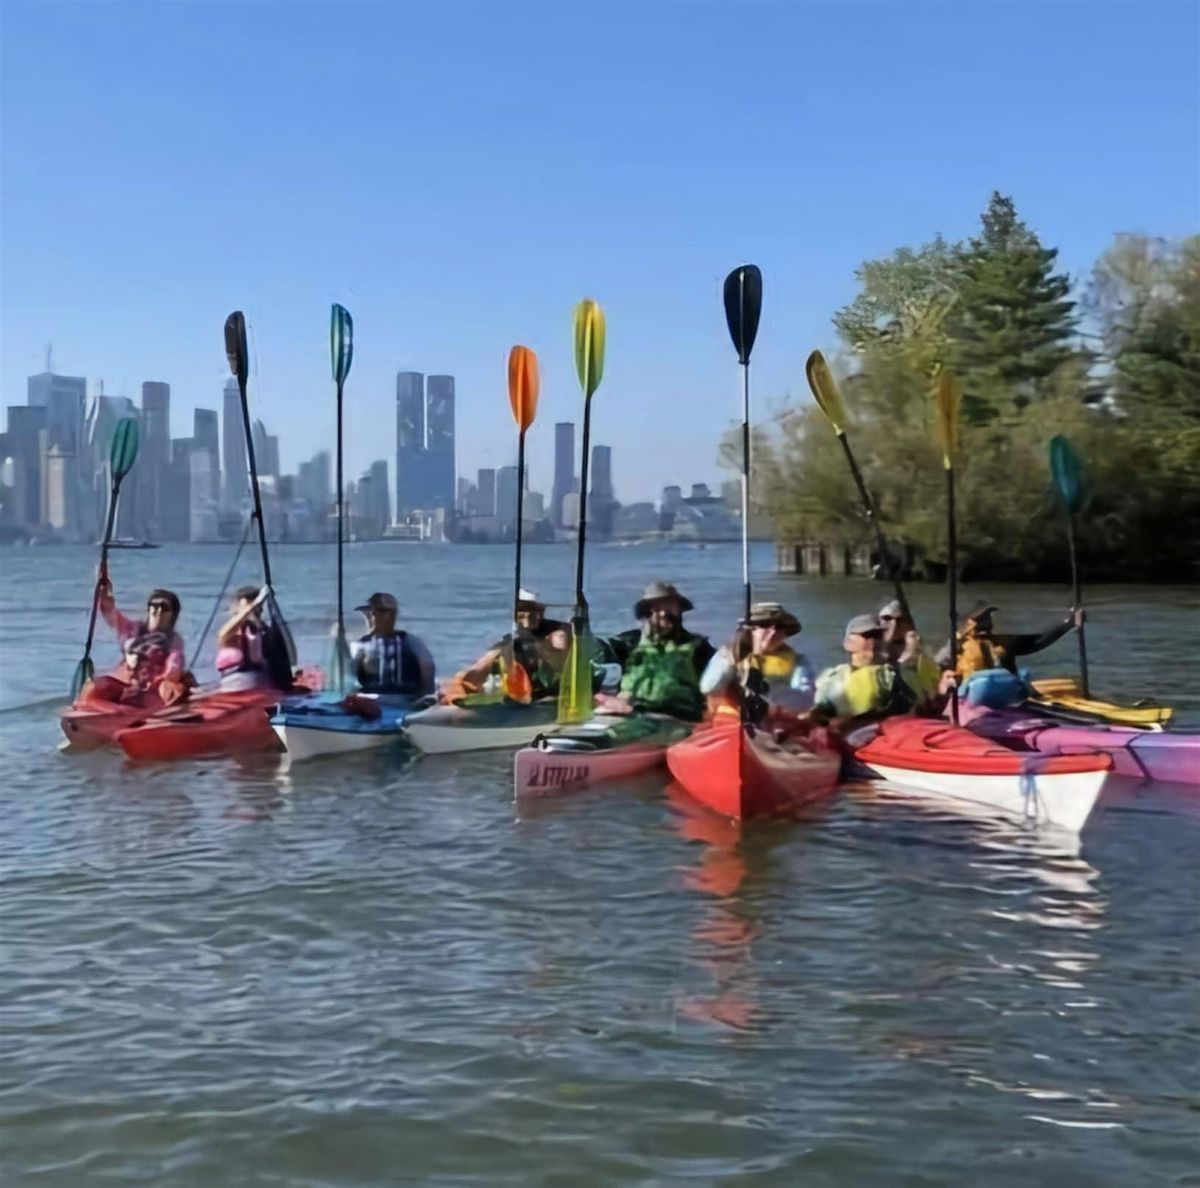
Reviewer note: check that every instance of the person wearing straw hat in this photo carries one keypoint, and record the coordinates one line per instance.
(661, 661)
(539, 646)
(388, 661)
(781, 675)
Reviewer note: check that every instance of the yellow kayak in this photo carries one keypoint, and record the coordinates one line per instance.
(1064, 693)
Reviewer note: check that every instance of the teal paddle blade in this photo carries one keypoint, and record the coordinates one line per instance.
(1067, 472)
(124, 449)
(341, 342)
(85, 670)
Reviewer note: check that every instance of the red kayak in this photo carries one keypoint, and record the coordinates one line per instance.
(743, 771)
(218, 724)
(931, 757)
(91, 724)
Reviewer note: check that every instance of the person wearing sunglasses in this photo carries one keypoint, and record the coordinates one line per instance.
(154, 672)
(868, 685)
(901, 646)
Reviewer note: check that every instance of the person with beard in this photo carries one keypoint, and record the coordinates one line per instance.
(661, 662)
(539, 646)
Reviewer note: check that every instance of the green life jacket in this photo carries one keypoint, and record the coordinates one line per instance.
(661, 676)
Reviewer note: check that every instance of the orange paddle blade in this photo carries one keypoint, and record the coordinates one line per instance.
(517, 685)
(523, 385)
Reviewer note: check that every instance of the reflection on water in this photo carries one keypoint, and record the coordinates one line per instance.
(381, 969)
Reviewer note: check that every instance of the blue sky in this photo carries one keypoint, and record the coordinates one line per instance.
(459, 175)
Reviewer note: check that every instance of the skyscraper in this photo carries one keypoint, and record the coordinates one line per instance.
(485, 497)
(602, 505)
(506, 496)
(154, 456)
(266, 450)
(439, 442)
(25, 423)
(64, 397)
(410, 441)
(564, 469)
(233, 439)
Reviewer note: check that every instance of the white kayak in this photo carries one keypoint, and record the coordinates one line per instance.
(608, 747)
(500, 726)
(324, 725)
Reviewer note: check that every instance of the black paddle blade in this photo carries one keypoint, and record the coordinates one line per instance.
(743, 305)
(235, 346)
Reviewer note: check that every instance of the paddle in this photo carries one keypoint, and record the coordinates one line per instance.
(523, 396)
(341, 352)
(1068, 478)
(121, 456)
(829, 400)
(239, 364)
(575, 690)
(948, 396)
(743, 307)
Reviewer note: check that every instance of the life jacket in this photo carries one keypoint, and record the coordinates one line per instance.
(776, 667)
(975, 654)
(660, 675)
(388, 664)
(871, 689)
(152, 649)
(543, 663)
(244, 653)
(923, 677)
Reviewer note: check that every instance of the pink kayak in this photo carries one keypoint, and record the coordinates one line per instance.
(1169, 755)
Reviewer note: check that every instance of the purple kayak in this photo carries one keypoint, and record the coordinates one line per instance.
(1172, 755)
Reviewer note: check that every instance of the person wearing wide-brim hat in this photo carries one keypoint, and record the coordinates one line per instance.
(387, 660)
(980, 647)
(760, 656)
(661, 661)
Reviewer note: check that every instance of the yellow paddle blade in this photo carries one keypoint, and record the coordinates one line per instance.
(589, 345)
(825, 390)
(523, 385)
(948, 395)
(575, 697)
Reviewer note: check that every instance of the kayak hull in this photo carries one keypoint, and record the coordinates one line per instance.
(1064, 695)
(1170, 756)
(90, 725)
(222, 724)
(455, 729)
(951, 763)
(572, 757)
(740, 771)
(312, 727)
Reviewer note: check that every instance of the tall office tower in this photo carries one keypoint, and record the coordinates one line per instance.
(64, 397)
(203, 519)
(154, 456)
(439, 442)
(602, 505)
(381, 504)
(564, 469)
(105, 414)
(177, 495)
(233, 441)
(485, 498)
(58, 485)
(410, 441)
(25, 423)
(312, 482)
(506, 496)
(463, 499)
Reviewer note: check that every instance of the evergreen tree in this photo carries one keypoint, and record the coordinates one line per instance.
(1013, 317)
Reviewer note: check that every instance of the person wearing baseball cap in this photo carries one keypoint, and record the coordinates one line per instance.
(760, 656)
(661, 661)
(388, 661)
(980, 647)
(902, 647)
(867, 686)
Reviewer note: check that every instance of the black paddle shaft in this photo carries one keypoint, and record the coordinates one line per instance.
(1077, 596)
(580, 600)
(518, 533)
(952, 577)
(341, 614)
(108, 531)
(262, 528)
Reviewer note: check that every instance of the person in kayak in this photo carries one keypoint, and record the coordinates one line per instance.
(901, 646)
(388, 661)
(154, 672)
(759, 654)
(980, 647)
(539, 646)
(240, 661)
(661, 661)
(868, 686)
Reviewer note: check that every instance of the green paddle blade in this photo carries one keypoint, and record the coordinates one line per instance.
(235, 346)
(1067, 471)
(575, 696)
(589, 345)
(84, 671)
(825, 391)
(124, 449)
(341, 342)
(948, 396)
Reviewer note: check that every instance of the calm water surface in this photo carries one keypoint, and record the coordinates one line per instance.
(385, 971)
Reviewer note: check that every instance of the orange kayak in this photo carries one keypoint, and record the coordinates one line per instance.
(741, 771)
(219, 724)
